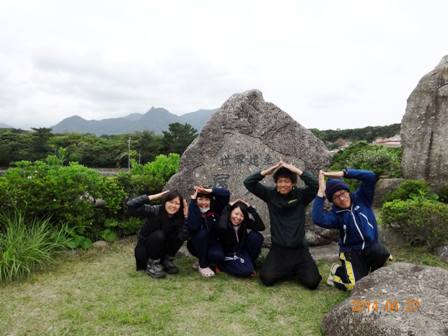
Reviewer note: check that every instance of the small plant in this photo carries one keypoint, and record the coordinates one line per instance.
(26, 245)
(409, 189)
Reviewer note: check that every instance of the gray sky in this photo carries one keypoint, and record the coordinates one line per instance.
(329, 64)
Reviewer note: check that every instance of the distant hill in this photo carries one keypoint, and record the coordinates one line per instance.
(156, 119)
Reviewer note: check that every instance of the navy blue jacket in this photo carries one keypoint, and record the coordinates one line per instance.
(196, 221)
(357, 225)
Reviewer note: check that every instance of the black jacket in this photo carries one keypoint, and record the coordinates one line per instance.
(286, 212)
(232, 241)
(155, 216)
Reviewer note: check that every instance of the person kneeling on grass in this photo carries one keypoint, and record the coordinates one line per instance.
(241, 248)
(161, 235)
(289, 256)
(205, 208)
(352, 213)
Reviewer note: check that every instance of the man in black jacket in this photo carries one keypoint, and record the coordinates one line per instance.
(289, 256)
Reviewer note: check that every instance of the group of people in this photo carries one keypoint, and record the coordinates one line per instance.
(225, 236)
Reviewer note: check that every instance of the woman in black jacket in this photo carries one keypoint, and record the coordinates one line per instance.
(241, 248)
(161, 235)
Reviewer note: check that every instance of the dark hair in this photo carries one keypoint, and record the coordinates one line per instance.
(285, 172)
(243, 208)
(169, 197)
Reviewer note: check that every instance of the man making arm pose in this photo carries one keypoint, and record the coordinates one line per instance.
(288, 256)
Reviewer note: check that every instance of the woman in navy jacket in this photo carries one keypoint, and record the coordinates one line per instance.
(241, 248)
(352, 214)
(205, 208)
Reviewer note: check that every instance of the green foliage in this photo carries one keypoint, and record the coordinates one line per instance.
(409, 189)
(379, 159)
(420, 221)
(26, 245)
(151, 177)
(443, 194)
(66, 193)
(178, 137)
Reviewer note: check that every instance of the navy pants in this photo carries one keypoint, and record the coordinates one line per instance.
(206, 248)
(242, 263)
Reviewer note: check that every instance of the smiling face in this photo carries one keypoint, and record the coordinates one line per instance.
(284, 185)
(236, 216)
(203, 202)
(342, 199)
(172, 206)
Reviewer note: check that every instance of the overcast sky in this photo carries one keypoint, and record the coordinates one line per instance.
(329, 64)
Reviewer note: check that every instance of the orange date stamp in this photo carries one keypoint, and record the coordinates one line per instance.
(387, 306)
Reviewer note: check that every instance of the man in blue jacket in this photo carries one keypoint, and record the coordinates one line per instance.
(352, 213)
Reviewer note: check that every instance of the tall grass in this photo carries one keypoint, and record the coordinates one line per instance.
(26, 245)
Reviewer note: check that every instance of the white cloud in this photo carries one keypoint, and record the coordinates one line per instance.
(327, 63)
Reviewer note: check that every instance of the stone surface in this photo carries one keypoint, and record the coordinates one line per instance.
(246, 135)
(424, 128)
(384, 186)
(442, 252)
(401, 299)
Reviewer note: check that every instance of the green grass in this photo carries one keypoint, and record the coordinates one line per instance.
(26, 245)
(96, 294)
(99, 293)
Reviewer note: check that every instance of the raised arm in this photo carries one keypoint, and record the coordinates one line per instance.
(368, 180)
(221, 199)
(140, 206)
(256, 223)
(252, 182)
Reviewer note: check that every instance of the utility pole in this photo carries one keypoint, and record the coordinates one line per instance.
(129, 154)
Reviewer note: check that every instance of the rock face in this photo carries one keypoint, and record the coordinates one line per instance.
(402, 299)
(384, 186)
(246, 135)
(424, 128)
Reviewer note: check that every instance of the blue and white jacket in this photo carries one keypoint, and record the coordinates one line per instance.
(357, 225)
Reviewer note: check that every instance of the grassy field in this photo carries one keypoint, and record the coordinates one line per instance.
(99, 293)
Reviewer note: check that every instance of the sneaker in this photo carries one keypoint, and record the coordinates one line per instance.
(330, 280)
(155, 269)
(168, 265)
(334, 267)
(206, 272)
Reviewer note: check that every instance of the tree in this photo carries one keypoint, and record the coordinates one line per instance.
(40, 147)
(178, 137)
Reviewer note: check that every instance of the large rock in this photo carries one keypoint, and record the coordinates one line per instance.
(401, 299)
(383, 187)
(424, 128)
(246, 135)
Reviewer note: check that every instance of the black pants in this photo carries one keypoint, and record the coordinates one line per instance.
(157, 245)
(285, 263)
(206, 248)
(356, 265)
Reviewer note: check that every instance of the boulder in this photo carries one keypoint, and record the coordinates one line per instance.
(424, 128)
(246, 135)
(401, 299)
(384, 186)
(442, 252)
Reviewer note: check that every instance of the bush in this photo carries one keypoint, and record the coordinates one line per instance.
(381, 160)
(66, 194)
(151, 177)
(419, 221)
(443, 194)
(409, 189)
(26, 246)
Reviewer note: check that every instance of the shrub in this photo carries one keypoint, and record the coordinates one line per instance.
(379, 159)
(410, 189)
(443, 194)
(419, 221)
(44, 189)
(26, 246)
(151, 177)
